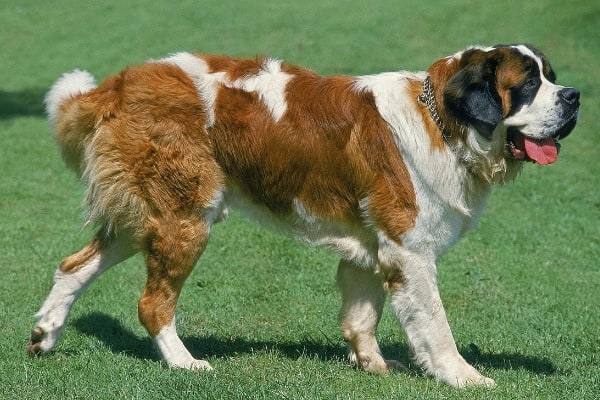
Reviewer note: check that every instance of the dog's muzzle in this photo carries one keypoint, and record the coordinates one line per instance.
(545, 151)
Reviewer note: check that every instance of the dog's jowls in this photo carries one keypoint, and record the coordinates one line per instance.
(387, 170)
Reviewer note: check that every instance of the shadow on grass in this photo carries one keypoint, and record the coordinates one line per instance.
(115, 336)
(26, 102)
(509, 361)
(122, 341)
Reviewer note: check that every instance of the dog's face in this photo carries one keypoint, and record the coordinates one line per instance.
(513, 87)
(541, 109)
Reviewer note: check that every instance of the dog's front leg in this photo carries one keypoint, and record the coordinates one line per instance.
(363, 297)
(411, 281)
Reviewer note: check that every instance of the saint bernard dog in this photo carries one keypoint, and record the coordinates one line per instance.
(387, 170)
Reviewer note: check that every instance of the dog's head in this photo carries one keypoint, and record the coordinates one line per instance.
(508, 96)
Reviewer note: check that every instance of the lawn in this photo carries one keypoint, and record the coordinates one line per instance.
(521, 290)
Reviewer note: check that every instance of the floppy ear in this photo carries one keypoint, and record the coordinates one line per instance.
(470, 94)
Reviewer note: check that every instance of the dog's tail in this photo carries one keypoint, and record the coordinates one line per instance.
(71, 121)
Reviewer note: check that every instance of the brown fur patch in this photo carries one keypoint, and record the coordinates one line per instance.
(74, 262)
(151, 154)
(512, 71)
(235, 68)
(172, 247)
(329, 152)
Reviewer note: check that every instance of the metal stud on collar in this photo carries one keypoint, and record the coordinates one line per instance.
(427, 98)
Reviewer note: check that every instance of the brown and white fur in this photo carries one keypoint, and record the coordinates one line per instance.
(356, 164)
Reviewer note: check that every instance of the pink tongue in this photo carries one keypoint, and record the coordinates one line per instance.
(542, 152)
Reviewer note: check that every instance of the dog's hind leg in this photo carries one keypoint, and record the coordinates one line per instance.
(363, 297)
(172, 247)
(72, 278)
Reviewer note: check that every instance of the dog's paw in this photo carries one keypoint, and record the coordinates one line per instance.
(467, 376)
(475, 381)
(41, 341)
(375, 364)
(489, 382)
(200, 365)
(193, 365)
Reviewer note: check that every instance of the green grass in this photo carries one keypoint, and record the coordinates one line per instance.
(521, 291)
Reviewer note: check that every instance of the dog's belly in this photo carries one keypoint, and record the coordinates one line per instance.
(352, 241)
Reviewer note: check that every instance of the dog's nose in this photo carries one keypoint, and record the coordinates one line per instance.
(569, 95)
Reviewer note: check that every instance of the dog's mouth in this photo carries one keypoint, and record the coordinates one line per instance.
(543, 152)
(540, 151)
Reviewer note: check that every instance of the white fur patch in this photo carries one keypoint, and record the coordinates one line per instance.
(66, 290)
(438, 180)
(68, 286)
(270, 84)
(189, 63)
(174, 352)
(71, 84)
(349, 241)
(206, 84)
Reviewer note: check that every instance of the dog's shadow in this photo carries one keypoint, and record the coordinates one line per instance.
(120, 340)
(22, 103)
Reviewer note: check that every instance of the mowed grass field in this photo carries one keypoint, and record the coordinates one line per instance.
(521, 290)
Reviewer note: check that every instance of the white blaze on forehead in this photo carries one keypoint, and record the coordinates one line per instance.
(207, 84)
(270, 84)
(529, 53)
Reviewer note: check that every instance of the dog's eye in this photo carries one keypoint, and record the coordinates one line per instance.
(530, 83)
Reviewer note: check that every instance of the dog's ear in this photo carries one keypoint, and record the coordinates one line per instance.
(470, 94)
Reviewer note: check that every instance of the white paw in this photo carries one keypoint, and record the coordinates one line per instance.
(465, 376)
(374, 363)
(474, 381)
(455, 371)
(42, 340)
(193, 365)
(200, 365)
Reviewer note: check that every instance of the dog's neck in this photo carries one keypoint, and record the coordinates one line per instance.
(427, 99)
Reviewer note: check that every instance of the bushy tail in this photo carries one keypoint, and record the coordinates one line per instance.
(69, 120)
(69, 86)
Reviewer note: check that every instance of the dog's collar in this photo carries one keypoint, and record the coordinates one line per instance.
(427, 99)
